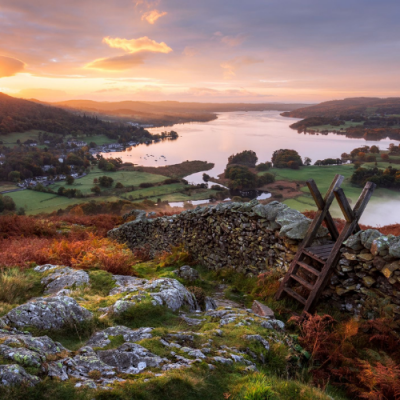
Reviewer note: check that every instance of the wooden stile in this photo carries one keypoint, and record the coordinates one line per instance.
(327, 256)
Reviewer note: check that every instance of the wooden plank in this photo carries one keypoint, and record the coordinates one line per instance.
(315, 257)
(295, 295)
(334, 257)
(303, 282)
(309, 268)
(319, 201)
(345, 207)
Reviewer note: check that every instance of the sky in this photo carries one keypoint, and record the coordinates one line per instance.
(206, 51)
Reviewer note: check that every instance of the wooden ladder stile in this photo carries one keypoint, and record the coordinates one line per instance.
(326, 255)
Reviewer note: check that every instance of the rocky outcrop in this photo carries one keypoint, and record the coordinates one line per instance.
(187, 273)
(15, 375)
(62, 278)
(47, 313)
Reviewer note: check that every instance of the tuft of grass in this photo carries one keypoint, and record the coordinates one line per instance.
(261, 387)
(101, 282)
(146, 314)
(17, 286)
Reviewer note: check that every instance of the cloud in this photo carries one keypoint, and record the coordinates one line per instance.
(135, 45)
(189, 51)
(228, 93)
(152, 16)
(10, 66)
(233, 41)
(42, 94)
(231, 66)
(118, 63)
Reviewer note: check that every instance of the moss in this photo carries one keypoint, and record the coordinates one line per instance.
(115, 341)
(101, 282)
(146, 314)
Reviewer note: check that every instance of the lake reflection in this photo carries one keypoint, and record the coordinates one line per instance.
(264, 132)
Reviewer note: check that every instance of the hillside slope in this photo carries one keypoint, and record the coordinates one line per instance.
(350, 106)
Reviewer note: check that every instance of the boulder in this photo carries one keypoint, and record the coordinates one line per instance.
(130, 358)
(64, 277)
(380, 246)
(354, 242)
(15, 375)
(22, 356)
(47, 313)
(127, 284)
(170, 292)
(262, 309)
(394, 249)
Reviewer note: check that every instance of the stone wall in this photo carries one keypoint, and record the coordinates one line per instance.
(252, 238)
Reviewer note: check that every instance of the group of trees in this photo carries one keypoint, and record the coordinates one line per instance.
(108, 164)
(388, 178)
(6, 204)
(286, 158)
(247, 158)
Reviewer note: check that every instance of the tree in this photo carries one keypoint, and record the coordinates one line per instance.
(282, 157)
(119, 185)
(106, 181)
(70, 180)
(385, 156)
(206, 177)
(264, 166)
(96, 190)
(307, 161)
(247, 158)
(374, 149)
(14, 176)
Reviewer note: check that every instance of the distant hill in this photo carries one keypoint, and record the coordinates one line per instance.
(350, 106)
(18, 115)
(167, 112)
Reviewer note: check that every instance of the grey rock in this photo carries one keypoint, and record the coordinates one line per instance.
(354, 242)
(15, 375)
(22, 356)
(260, 339)
(64, 277)
(45, 267)
(368, 236)
(223, 360)
(127, 284)
(394, 249)
(102, 338)
(209, 304)
(196, 353)
(48, 313)
(171, 293)
(187, 273)
(129, 358)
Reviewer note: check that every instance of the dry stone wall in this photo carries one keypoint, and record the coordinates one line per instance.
(252, 238)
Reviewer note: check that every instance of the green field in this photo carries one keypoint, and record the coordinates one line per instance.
(37, 202)
(10, 140)
(343, 127)
(127, 178)
(200, 195)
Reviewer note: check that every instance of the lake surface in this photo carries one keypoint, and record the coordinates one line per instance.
(263, 132)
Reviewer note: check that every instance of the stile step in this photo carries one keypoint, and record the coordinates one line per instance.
(295, 295)
(303, 282)
(309, 268)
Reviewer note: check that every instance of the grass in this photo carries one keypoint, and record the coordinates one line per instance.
(343, 127)
(38, 202)
(127, 178)
(18, 286)
(101, 282)
(10, 140)
(198, 194)
(156, 191)
(7, 186)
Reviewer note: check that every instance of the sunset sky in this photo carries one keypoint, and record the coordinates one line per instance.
(203, 50)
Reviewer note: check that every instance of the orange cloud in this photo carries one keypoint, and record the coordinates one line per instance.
(152, 16)
(135, 45)
(189, 51)
(231, 66)
(119, 63)
(10, 66)
(233, 41)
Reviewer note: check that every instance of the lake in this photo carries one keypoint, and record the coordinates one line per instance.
(260, 131)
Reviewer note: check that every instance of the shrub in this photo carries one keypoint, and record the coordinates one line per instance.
(265, 178)
(145, 185)
(199, 293)
(119, 185)
(178, 256)
(106, 181)
(264, 166)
